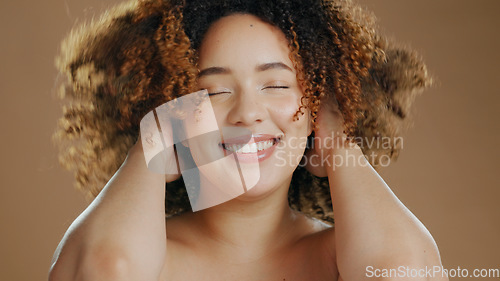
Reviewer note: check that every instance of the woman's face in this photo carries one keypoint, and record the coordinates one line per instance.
(245, 67)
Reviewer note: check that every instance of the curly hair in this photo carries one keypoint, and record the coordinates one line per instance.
(142, 54)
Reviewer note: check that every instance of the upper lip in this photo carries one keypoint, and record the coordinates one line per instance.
(254, 138)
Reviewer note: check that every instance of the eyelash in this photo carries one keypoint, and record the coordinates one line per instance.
(268, 87)
(216, 93)
(276, 87)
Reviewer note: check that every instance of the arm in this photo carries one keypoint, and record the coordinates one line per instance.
(121, 235)
(372, 227)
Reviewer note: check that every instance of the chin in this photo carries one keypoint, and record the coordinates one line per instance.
(262, 189)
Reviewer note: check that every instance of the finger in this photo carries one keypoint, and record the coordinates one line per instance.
(157, 143)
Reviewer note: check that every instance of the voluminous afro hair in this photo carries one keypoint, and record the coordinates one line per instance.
(142, 54)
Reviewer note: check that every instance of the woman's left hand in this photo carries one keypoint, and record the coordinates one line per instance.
(327, 137)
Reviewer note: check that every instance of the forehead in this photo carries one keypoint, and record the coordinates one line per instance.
(243, 38)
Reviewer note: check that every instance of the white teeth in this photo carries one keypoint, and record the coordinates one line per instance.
(249, 148)
(245, 149)
(253, 147)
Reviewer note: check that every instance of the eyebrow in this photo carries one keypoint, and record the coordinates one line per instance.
(273, 65)
(213, 70)
(263, 67)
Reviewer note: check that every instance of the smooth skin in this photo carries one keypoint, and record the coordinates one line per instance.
(122, 235)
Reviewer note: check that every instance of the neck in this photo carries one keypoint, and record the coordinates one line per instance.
(251, 227)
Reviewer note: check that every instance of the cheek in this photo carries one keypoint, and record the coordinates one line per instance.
(296, 132)
(285, 105)
(282, 112)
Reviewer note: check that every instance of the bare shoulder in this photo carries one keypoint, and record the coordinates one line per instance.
(320, 239)
(320, 232)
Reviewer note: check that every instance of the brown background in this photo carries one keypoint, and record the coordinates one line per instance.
(447, 172)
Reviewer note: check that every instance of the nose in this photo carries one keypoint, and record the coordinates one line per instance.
(247, 110)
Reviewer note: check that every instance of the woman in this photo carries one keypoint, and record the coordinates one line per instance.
(299, 74)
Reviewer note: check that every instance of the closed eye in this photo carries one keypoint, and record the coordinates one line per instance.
(276, 87)
(217, 93)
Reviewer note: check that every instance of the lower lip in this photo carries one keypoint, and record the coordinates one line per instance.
(250, 157)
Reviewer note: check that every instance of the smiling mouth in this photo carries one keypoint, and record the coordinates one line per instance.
(259, 144)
